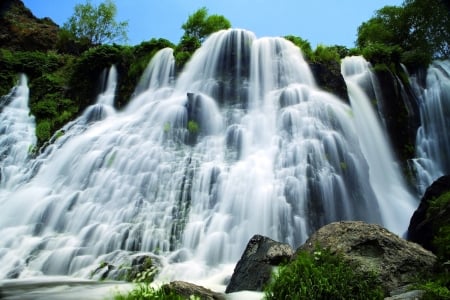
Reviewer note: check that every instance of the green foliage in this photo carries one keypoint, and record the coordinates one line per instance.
(441, 207)
(321, 275)
(304, 45)
(436, 288)
(43, 131)
(197, 28)
(199, 25)
(420, 29)
(185, 49)
(193, 127)
(379, 53)
(324, 54)
(96, 24)
(144, 291)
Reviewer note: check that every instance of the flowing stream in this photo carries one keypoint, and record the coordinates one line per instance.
(242, 143)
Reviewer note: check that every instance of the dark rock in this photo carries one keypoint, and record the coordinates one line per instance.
(20, 30)
(254, 269)
(422, 227)
(372, 248)
(399, 107)
(186, 289)
(329, 78)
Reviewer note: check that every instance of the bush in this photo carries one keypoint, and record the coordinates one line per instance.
(321, 275)
(324, 54)
(378, 53)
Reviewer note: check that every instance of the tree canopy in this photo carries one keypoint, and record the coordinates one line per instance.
(199, 25)
(197, 28)
(96, 24)
(414, 33)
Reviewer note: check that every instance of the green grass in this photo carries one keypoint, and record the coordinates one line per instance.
(321, 275)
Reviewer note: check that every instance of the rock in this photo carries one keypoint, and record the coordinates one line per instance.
(398, 106)
(254, 269)
(329, 78)
(373, 248)
(410, 295)
(421, 228)
(405, 293)
(20, 30)
(186, 289)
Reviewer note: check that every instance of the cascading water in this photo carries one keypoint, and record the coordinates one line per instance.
(433, 140)
(17, 138)
(395, 201)
(242, 143)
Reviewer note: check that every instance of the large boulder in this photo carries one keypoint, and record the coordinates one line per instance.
(424, 225)
(254, 269)
(374, 249)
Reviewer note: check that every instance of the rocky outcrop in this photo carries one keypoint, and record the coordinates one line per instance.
(20, 30)
(254, 269)
(329, 78)
(398, 105)
(186, 290)
(423, 225)
(372, 248)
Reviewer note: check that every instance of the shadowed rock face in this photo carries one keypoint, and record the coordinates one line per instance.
(254, 269)
(372, 248)
(422, 227)
(20, 30)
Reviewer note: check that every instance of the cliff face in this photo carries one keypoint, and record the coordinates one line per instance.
(21, 30)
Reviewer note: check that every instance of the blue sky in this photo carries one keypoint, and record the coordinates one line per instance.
(328, 22)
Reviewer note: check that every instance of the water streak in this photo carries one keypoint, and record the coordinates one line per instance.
(395, 201)
(17, 138)
(433, 140)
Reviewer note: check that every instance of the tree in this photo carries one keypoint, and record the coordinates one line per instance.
(96, 24)
(419, 30)
(197, 28)
(200, 25)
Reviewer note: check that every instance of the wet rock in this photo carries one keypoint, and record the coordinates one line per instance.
(423, 226)
(330, 79)
(186, 290)
(374, 249)
(254, 269)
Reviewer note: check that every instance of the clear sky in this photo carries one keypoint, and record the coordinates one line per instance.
(328, 22)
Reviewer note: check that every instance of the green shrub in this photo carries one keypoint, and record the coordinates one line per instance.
(324, 54)
(321, 275)
(378, 53)
(144, 291)
(436, 288)
(43, 131)
(441, 226)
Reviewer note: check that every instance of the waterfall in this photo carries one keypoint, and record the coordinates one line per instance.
(17, 138)
(395, 201)
(243, 142)
(432, 139)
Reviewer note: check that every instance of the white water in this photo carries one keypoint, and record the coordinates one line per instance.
(242, 143)
(433, 140)
(17, 137)
(395, 201)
